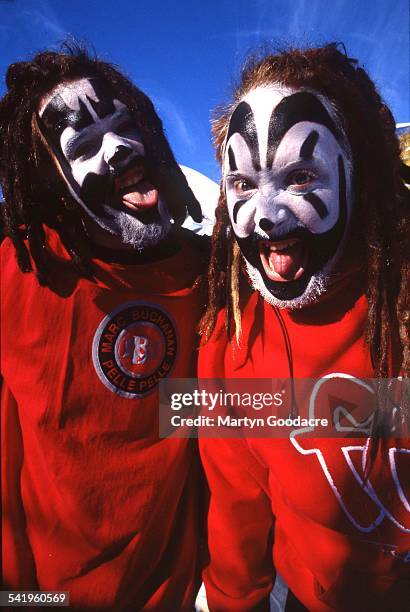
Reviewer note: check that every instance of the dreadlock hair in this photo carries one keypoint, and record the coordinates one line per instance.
(381, 199)
(34, 194)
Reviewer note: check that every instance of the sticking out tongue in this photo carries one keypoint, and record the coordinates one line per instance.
(283, 261)
(141, 196)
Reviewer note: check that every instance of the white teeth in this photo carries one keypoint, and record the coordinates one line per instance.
(280, 246)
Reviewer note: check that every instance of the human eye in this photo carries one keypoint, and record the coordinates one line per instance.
(83, 149)
(300, 180)
(243, 186)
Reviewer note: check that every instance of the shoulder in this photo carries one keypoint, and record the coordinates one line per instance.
(8, 257)
(195, 256)
(16, 286)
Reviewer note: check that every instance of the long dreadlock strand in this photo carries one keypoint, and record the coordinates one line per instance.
(217, 271)
(234, 289)
(37, 245)
(228, 285)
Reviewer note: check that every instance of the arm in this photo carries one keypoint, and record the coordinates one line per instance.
(18, 566)
(240, 572)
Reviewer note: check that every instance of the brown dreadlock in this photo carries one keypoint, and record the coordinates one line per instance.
(381, 200)
(34, 194)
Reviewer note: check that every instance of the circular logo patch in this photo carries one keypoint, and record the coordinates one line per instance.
(133, 348)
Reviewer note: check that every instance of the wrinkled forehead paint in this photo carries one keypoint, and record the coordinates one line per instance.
(76, 104)
(266, 114)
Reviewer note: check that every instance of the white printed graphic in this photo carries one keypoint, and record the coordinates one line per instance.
(140, 352)
(388, 498)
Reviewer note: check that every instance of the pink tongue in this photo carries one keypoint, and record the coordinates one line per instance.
(146, 195)
(136, 198)
(287, 264)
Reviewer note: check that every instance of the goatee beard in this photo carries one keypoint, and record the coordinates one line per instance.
(133, 232)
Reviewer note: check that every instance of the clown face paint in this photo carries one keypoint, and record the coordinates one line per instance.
(287, 177)
(99, 152)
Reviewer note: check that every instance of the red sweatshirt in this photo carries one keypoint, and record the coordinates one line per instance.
(94, 503)
(299, 507)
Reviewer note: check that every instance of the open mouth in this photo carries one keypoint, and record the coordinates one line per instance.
(285, 260)
(135, 191)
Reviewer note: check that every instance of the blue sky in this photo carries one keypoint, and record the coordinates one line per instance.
(186, 53)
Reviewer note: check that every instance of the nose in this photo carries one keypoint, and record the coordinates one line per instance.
(116, 150)
(265, 224)
(119, 155)
(281, 217)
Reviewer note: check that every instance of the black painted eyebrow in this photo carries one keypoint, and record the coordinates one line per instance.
(301, 106)
(308, 146)
(57, 115)
(232, 160)
(78, 140)
(243, 123)
(105, 104)
(90, 137)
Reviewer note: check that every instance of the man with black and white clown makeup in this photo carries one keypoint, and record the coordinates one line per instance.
(308, 297)
(99, 306)
(287, 179)
(101, 156)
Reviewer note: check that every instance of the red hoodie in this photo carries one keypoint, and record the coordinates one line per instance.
(299, 508)
(94, 503)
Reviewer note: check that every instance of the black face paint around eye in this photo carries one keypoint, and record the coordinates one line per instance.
(243, 123)
(57, 115)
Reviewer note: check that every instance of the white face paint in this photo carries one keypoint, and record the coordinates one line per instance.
(287, 179)
(99, 151)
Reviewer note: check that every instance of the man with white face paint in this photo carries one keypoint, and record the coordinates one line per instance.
(101, 156)
(99, 306)
(287, 180)
(309, 279)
